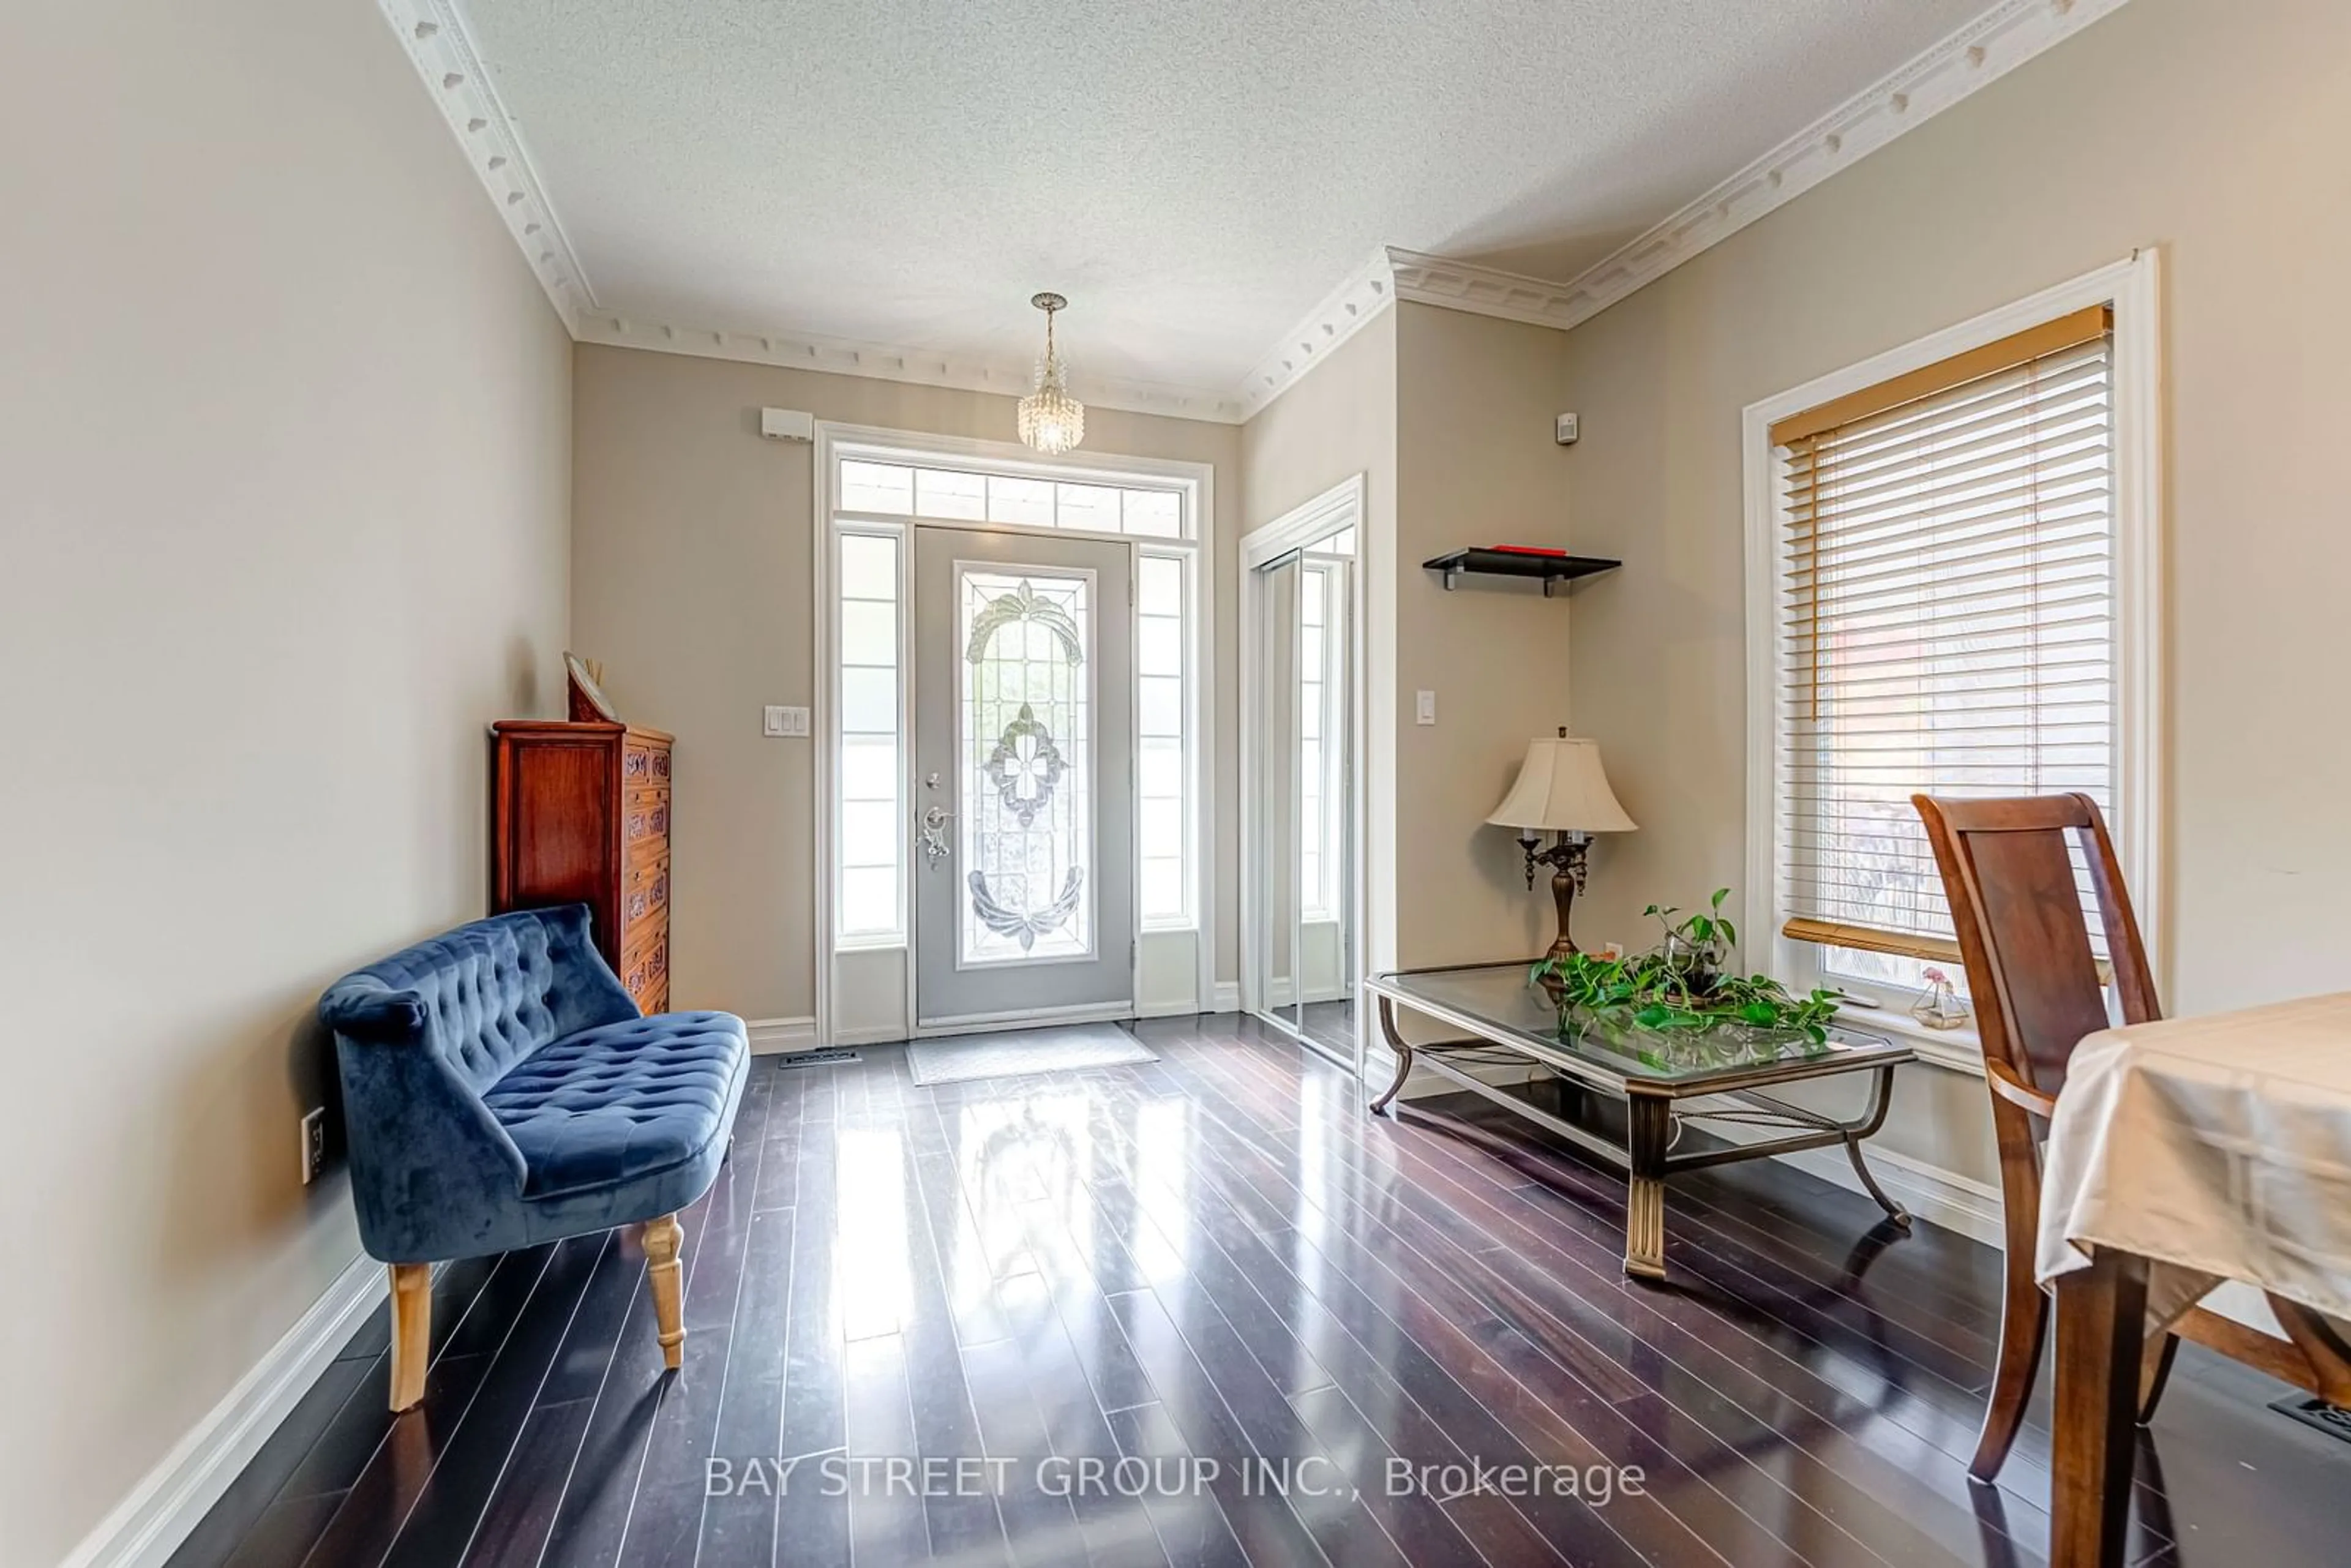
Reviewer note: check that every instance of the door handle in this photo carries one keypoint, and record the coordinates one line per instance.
(933, 834)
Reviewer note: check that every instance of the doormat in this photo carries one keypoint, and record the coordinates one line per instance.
(961, 1058)
(825, 1056)
(2330, 1419)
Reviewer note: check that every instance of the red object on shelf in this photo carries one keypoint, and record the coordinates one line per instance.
(1529, 550)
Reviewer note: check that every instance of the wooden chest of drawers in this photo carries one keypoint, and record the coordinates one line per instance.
(580, 814)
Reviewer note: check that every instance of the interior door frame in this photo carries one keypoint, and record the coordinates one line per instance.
(836, 440)
(1339, 506)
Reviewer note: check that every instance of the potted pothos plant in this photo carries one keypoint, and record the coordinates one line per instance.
(1678, 1001)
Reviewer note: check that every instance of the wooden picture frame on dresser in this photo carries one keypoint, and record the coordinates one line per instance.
(580, 814)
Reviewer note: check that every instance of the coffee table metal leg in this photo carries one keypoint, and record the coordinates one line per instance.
(1648, 1125)
(1403, 1056)
(1881, 1095)
(1893, 1211)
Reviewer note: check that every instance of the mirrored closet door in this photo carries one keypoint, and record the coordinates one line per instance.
(1301, 941)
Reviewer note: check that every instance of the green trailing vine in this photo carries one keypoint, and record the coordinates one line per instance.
(1680, 983)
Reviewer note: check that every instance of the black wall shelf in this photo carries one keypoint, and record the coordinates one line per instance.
(1554, 569)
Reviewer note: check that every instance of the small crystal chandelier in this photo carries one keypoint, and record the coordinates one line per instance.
(1051, 420)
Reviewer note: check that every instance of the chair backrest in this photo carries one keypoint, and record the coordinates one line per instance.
(483, 996)
(2032, 972)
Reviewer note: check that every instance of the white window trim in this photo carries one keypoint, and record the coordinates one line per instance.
(2132, 288)
(835, 441)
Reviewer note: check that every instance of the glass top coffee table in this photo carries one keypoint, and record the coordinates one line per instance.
(1660, 1083)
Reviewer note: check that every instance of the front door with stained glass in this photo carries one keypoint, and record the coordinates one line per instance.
(1023, 798)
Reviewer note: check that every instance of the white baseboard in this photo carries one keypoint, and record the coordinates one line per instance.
(771, 1035)
(1952, 1201)
(878, 1034)
(1224, 998)
(172, 1499)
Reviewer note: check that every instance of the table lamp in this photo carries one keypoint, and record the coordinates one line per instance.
(1561, 790)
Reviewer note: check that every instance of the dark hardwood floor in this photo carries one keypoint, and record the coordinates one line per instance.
(1219, 1256)
(1331, 1025)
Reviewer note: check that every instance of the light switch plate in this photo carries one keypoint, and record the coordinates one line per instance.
(1424, 708)
(784, 723)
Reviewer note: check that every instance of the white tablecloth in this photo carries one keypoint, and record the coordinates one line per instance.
(2219, 1146)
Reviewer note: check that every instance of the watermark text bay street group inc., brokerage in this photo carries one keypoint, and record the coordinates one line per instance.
(835, 1474)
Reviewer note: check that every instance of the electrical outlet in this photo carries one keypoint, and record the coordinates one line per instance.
(314, 1144)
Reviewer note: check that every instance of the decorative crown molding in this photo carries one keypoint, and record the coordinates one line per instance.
(1951, 69)
(1946, 73)
(1465, 286)
(894, 362)
(1361, 295)
(1960, 64)
(1390, 275)
(435, 38)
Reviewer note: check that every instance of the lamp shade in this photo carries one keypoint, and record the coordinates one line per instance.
(1561, 788)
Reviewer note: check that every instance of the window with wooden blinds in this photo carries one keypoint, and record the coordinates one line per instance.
(1946, 620)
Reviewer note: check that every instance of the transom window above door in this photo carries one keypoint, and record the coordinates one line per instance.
(956, 495)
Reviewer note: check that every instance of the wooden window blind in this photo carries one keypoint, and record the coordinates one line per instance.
(1947, 616)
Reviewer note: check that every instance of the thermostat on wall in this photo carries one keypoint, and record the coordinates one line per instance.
(787, 424)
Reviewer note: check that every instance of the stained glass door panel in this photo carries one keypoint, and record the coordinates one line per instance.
(1025, 764)
(1023, 797)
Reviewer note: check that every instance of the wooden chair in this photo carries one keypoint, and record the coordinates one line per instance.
(2038, 990)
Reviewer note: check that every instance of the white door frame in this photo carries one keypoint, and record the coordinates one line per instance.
(836, 440)
(1341, 505)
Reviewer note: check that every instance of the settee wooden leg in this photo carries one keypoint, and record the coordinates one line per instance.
(663, 1240)
(411, 1332)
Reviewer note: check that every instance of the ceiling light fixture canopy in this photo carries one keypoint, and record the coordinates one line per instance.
(1051, 420)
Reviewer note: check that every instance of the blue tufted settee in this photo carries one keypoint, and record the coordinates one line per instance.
(500, 1089)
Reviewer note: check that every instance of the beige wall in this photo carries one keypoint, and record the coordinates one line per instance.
(1449, 416)
(2211, 131)
(1476, 463)
(1338, 421)
(692, 572)
(286, 469)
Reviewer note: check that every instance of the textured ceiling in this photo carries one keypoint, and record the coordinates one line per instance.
(1194, 176)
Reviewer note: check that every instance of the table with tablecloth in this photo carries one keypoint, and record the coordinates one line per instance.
(2217, 1147)
(2183, 1154)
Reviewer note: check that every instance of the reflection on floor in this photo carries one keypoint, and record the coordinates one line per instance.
(1218, 1255)
(1015, 1053)
(1332, 1025)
